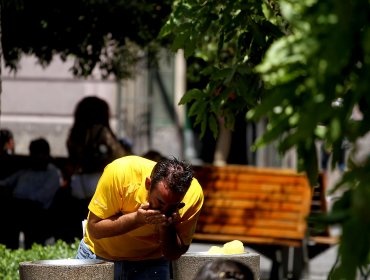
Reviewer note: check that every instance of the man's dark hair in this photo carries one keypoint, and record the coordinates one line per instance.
(5, 136)
(177, 174)
(40, 153)
(39, 146)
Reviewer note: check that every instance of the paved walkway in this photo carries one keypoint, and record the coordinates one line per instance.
(319, 266)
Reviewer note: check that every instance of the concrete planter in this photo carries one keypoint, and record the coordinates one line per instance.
(66, 269)
(186, 267)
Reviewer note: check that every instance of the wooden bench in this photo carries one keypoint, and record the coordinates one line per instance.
(265, 208)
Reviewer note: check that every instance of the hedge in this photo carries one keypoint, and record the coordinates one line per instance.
(10, 259)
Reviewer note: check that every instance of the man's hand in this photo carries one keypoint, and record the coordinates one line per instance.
(150, 216)
(173, 214)
(171, 219)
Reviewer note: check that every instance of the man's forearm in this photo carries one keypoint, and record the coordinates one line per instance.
(171, 244)
(113, 226)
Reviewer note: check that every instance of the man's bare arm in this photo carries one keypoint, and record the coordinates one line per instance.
(122, 223)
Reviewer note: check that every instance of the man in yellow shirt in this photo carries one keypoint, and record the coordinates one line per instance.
(142, 215)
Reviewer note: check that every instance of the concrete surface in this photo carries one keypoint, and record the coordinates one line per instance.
(66, 269)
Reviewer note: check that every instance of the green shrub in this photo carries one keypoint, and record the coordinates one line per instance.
(10, 259)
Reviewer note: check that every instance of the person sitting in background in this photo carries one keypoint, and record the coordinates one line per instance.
(9, 236)
(34, 189)
(224, 269)
(8, 159)
(7, 144)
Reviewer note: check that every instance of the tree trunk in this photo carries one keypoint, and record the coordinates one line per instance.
(223, 145)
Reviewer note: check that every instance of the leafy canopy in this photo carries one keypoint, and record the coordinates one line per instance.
(109, 35)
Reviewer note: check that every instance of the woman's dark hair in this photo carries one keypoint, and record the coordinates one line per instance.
(224, 269)
(177, 174)
(91, 110)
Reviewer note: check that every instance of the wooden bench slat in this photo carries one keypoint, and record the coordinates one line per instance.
(253, 186)
(235, 179)
(296, 233)
(272, 229)
(242, 169)
(254, 205)
(249, 239)
(232, 220)
(261, 214)
(250, 195)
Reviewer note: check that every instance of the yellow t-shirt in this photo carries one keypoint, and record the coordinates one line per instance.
(121, 189)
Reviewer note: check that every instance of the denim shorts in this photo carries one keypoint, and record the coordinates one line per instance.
(156, 269)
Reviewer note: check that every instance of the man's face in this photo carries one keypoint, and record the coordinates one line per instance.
(163, 199)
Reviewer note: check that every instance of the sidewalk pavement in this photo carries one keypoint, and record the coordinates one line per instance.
(319, 267)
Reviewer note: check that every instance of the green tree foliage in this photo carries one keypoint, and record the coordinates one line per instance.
(96, 33)
(303, 65)
(228, 38)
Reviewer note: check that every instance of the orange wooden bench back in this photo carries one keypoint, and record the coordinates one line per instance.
(253, 205)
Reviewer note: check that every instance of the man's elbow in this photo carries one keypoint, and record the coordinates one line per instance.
(94, 233)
